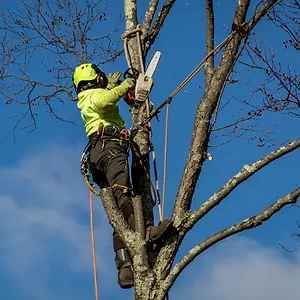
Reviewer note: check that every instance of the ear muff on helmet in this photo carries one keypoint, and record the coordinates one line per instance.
(75, 87)
(102, 80)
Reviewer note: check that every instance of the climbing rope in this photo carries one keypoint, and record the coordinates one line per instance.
(85, 171)
(160, 211)
(124, 37)
(93, 247)
(165, 160)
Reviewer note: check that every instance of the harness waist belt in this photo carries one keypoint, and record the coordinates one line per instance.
(106, 131)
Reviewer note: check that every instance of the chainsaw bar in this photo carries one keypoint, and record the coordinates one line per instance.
(153, 64)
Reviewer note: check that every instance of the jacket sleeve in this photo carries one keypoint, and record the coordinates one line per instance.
(104, 98)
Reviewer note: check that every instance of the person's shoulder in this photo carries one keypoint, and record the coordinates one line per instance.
(93, 91)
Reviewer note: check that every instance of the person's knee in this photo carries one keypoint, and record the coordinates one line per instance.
(126, 207)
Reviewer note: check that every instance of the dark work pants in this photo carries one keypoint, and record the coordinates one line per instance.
(109, 166)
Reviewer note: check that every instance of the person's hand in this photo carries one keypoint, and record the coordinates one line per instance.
(113, 79)
(129, 82)
(129, 98)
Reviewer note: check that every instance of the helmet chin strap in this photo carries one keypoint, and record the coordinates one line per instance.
(86, 86)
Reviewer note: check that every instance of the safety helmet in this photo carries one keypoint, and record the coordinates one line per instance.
(89, 75)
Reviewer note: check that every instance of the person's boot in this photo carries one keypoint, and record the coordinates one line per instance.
(155, 233)
(124, 265)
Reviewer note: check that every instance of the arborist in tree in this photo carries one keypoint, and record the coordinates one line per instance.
(98, 95)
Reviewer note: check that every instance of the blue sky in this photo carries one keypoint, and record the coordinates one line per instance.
(45, 250)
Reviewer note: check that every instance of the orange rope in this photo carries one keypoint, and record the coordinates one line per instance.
(93, 246)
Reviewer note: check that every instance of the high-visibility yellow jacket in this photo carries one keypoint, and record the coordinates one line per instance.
(100, 105)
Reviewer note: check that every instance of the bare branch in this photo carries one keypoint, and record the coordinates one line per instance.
(244, 174)
(210, 41)
(240, 120)
(149, 16)
(288, 250)
(286, 17)
(260, 13)
(159, 22)
(240, 14)
(60, 35)
(246, 224)
(139, 218)
(286, 96)
(216, 112)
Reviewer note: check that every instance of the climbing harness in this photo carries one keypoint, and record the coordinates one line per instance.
(123, 135)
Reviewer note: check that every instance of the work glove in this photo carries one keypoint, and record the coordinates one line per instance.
(113, 79)
(129, 83)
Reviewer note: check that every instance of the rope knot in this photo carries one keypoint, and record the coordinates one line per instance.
(128, 33)
(124, 37)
